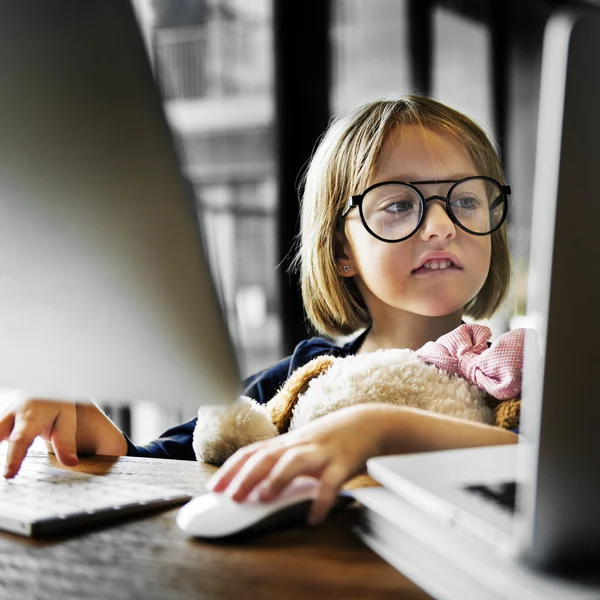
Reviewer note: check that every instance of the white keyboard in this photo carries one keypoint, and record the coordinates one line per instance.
(43, 500)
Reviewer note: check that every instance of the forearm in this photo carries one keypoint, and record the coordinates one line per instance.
(97, 434)
(405, 430)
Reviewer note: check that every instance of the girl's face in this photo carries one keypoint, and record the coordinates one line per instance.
(392, 277)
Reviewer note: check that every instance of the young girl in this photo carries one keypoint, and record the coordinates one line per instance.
(402, 234)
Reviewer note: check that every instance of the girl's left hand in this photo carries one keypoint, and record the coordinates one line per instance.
(332, 448)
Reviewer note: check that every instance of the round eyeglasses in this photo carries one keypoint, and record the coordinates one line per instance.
(393, 211)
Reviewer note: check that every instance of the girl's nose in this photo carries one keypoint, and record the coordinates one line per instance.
(437, 222)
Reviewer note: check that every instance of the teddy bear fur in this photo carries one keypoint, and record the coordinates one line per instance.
(326, 384)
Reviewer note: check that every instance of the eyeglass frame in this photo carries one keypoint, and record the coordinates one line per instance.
(357, 200)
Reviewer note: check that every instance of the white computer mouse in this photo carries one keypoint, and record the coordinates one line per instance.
(215, 515)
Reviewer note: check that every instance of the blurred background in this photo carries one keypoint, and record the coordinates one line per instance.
(249, 86)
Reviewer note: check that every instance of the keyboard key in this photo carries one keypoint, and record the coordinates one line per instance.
(503, 493)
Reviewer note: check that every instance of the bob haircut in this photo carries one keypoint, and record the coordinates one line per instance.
(343, 164)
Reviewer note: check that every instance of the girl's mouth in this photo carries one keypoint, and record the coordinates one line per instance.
(436, 266)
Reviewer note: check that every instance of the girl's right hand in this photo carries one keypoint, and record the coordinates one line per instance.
(332, 449)
(23, 418)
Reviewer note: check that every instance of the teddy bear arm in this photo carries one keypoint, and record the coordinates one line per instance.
(222, 430)
(507, 413)
(281, 406)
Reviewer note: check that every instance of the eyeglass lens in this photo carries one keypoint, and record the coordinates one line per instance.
(393, 211)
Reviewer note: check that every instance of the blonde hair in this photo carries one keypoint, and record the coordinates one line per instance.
(344, 164)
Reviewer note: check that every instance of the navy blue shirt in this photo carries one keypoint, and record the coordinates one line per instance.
(176, 443)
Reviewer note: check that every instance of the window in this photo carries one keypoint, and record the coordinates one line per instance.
(213, 63)
(369, 45)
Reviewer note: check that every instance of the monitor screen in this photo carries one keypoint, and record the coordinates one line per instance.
(105, 291)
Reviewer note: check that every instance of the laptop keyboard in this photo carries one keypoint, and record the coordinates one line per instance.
(42, 500)
(503, 494)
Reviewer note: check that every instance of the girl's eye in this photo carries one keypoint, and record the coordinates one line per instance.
(398, 205)
(466, 203)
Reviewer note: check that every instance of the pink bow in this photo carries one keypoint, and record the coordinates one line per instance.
(498, 370)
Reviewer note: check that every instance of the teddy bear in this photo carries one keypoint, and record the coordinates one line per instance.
(460, 375)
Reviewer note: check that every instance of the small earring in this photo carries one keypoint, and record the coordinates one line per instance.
(346, 268)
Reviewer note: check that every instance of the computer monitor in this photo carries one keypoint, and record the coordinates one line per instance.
(560, 406)
(105, 291)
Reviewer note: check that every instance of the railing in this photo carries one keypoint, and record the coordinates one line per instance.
(218, 59)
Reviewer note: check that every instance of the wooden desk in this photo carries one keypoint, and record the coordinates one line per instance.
(149, 557)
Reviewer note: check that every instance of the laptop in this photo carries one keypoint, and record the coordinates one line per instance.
(535, 504)
(105, 288)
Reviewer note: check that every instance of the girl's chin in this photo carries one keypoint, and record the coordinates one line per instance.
(440, 309)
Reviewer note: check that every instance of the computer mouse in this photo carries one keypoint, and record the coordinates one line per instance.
(215, 515)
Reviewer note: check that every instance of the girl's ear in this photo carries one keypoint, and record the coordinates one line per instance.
(343, 255)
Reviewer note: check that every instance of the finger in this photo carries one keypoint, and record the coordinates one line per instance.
(256, 468)
(295, 462)
(222, 478)
(331, 481)
(24, 432)
(63, 437)
(6, 426)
